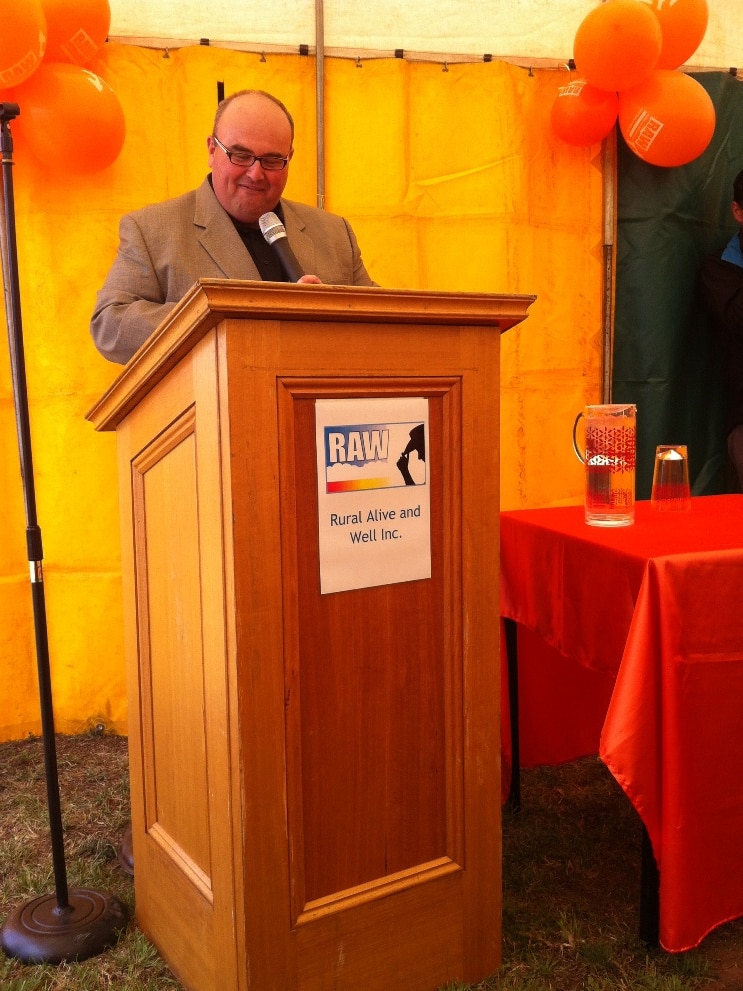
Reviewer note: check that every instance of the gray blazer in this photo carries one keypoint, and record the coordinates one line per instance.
(166, 247)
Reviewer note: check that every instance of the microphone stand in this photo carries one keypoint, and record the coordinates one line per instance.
(77, 923)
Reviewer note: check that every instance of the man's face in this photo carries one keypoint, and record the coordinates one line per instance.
(252, 124)
(738, 212)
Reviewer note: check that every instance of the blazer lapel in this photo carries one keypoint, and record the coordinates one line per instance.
(219, 237)
(302, 244)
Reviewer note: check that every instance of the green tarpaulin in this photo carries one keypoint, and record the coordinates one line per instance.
(666, 353)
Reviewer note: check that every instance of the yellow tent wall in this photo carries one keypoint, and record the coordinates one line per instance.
(452, 181)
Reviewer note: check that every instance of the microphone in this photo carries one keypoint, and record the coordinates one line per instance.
(275, 233)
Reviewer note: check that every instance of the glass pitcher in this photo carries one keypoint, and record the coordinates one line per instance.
(609, 456)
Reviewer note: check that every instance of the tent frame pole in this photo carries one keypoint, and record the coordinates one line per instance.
(609, 174)
(320, 99)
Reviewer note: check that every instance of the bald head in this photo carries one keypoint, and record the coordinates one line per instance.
(250, 93)
(256, 123)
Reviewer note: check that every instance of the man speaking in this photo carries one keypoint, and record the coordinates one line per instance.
(213, 232)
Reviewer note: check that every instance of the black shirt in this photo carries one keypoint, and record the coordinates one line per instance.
(265, 258)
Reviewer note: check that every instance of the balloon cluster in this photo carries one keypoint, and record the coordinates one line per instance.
(627, 53)
(70, 120)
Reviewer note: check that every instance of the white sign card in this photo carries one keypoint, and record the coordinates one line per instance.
(373, 492)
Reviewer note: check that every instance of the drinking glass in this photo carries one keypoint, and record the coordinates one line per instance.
(671, 492)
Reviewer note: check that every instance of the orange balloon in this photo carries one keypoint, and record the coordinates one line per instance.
(77, 29)
(582, 114)
(668, 120)
(617, 44)
(22, 41)
(683, 24)
(71, 120)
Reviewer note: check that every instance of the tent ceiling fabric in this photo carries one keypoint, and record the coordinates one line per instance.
(515, 29)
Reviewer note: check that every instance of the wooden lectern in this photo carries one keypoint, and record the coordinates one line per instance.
(315, 779)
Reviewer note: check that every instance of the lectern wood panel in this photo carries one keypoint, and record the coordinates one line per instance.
(370, 685)
(181, 761)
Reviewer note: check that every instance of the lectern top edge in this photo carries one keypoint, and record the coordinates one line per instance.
(210, 301)
(292, 301)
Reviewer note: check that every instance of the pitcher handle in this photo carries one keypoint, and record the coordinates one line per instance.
(581, 456)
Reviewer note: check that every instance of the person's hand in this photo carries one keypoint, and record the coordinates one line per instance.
(309, 280)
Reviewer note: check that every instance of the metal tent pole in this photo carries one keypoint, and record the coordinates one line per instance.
(609, 172)
(320, 99)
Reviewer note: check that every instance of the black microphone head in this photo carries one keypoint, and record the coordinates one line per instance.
(271, 227)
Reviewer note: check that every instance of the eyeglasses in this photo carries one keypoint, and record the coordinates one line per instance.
(245, 159)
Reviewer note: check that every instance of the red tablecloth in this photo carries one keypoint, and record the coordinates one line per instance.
(656, 609)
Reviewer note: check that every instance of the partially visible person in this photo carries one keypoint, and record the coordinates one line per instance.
(212, 231)
(722, 285)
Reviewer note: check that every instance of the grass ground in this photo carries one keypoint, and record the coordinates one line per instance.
(571, 881)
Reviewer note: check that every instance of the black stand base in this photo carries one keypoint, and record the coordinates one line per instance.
(40, 931)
